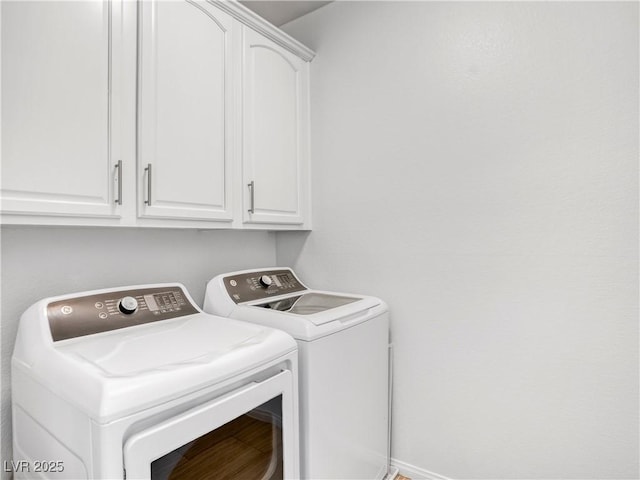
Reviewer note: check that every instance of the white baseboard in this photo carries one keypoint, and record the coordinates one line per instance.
(392, 473)
(416, 473)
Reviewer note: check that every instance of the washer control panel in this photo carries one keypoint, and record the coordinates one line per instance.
(86, 315)
(245, 287)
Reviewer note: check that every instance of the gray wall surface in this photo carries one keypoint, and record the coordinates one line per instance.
(476, 165)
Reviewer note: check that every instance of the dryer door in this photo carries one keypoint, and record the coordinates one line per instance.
(248, 433)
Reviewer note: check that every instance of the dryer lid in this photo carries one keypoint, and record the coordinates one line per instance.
(113, 374)
(197, 339)
(121, 363)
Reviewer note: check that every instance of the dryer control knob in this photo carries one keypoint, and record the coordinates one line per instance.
(128, 305)
(265, 281)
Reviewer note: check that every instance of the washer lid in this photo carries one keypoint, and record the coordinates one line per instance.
(281, 301)
(315, 309)
(316, 319)
(309, 303)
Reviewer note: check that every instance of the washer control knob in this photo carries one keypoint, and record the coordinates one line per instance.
(128, 305)
(265, 281)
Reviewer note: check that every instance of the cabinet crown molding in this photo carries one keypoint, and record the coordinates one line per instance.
(256, 22)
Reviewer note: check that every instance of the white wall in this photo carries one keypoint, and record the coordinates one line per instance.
(476, 165)
(38, 262)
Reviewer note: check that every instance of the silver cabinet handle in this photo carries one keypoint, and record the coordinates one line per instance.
(252, 187)
(119, 182)
(148, 171)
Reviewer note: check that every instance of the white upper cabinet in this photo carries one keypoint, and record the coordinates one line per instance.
(152, 113)
(185, 118)
(275, 133)
(60, 112)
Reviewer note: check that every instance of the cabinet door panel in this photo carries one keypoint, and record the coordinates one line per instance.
(275, 103)
(56, 111)
(185, 102)
(275, 131)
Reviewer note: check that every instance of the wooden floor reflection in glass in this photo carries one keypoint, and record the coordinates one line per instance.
(247, 448)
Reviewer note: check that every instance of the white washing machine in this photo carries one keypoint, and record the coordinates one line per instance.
(137, 382)
(343, 344)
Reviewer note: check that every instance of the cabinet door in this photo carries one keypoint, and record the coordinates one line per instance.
(60, 144)
(185, 97)
(275, 147)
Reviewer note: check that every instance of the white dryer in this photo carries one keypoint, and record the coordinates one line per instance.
(137, 382)
(343, 344)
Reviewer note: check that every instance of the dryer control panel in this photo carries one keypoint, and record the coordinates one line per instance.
(85, 315)
(245, 287)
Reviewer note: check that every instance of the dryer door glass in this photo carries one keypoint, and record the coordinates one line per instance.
(248, 433)
(248, 447)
